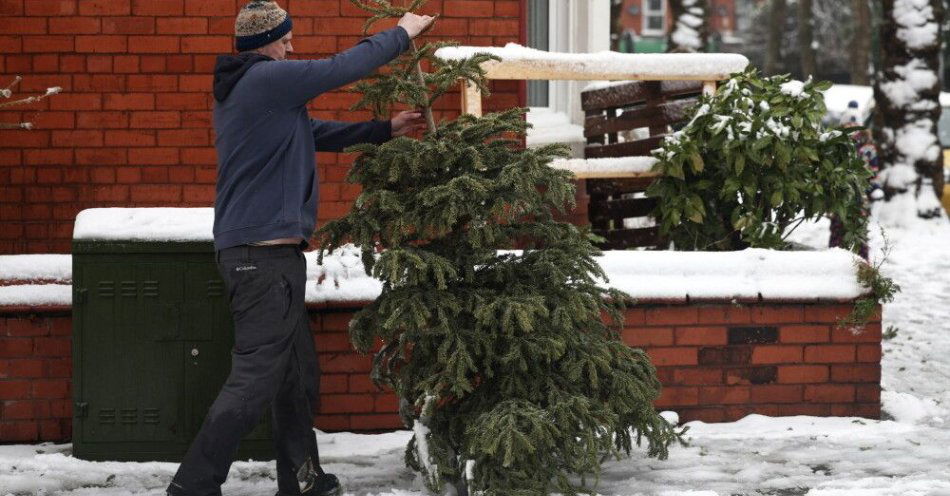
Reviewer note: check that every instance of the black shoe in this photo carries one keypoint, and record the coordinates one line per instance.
(323, 485)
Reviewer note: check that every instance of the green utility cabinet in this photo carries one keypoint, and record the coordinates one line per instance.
(152, 340)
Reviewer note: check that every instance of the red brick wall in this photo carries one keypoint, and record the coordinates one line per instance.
(717, 362)
(132, 127)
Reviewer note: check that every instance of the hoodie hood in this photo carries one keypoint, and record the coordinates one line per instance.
(229, 69)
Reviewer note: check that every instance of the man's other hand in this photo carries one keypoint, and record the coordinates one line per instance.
(415, 24)
(408, 121)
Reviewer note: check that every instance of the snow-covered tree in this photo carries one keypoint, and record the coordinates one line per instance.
(690, 31)
(506, 370)
(906, 92)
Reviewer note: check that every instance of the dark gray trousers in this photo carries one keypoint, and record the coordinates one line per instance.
(273, 362)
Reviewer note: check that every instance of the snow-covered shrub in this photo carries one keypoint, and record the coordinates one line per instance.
(754, 161)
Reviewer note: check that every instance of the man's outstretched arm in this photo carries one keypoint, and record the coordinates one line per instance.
(334, 136)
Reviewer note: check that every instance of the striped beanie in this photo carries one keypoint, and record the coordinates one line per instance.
(260, 22)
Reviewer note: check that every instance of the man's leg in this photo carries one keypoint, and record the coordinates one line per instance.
(260, 294)
(295, 403)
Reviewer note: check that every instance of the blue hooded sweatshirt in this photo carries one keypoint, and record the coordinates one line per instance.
(266, 141)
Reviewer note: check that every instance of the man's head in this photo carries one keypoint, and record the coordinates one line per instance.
(264, 27)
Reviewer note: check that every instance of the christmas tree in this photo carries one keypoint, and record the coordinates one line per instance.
(508, 364)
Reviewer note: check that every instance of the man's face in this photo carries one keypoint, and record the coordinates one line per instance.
(278, 50)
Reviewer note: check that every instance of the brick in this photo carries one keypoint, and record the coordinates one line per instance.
(44, 44)
(766, 354)
(856, 373)
(126, 64)
(673, 356)
(61, 408)
(865, 393)
(182, 25)
(124, 138)
(871, 333)
(812, 410)
(77, 138)
(825, 314)
(19, 410)
(203, 195)
(51, 430)
(702, 335)
(76, 101)
(99, 83)
(346, 403)
(59, 367)
(829, 353)
(334, 383)
(158, 7)
(129, 101)
(182, 101)
(508, 9)
(128, 25)
(18, 368)
(331, 423)
(751, 375)
(101, 44)
(50, 7)
(128, 175)
(726, 355)
(207, 44)
(22, 327)
(51, 388)
(869, 353)
(153, 156)
(205, 156)
(776, 393)
(199, 83)
(74, 25)
(648, 336)
(101, 156)
(702, 414)
(672, 315)
(318, 8)
(16, 347)
(804, 334)
(340, 26)
(723, 395)
(333, 342)
(154, 193)
(152, 83)
(336, 321)
(386, 403)
(494, 27)
(345, 363)
(52, 347)
(753, 335)
(829, 393)
(15, 390)
(469, 8)
(676, 396)
(154, 44)
(105, 7)
(777, 314)
(13, 431)
(362, 384)
(155, 120)
(802, 374)
(102, 120)
(98, 64)
(22, 25)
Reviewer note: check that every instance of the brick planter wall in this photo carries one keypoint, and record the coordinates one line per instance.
(717, 362)
(133, 124)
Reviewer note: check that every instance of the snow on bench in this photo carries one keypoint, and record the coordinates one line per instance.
(519, 62)
(593, 168)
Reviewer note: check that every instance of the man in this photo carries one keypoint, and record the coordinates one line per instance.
(265, 212)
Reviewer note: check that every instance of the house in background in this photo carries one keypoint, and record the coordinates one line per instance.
(646, 24)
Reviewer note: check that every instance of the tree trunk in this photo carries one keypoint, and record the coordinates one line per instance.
(861, 43)
(907, 93)
(806, 37)
(690, 31)
(773, 51)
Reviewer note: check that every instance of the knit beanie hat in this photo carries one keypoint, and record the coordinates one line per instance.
(260, 22)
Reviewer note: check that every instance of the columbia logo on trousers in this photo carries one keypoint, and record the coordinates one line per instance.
(244, 268)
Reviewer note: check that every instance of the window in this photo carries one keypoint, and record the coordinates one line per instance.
(538, 37)
(654, 17)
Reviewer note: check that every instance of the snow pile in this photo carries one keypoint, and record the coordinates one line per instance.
(341, 278)
(747, 274)
(605, 167)
(794, 88)
(549, 126)
(646, 66)
(145, 224)
(915, 21)
(36, 268)
(36, 295)
(839, 96)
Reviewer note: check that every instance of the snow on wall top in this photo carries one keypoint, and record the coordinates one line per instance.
(650, 275)
(35, 268)
(591, 167)
(145, 224)
(518, 62)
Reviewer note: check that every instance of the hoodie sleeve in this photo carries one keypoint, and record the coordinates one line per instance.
(295, 82)
(334, 136)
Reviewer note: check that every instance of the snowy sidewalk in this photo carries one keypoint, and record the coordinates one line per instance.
(754, 456)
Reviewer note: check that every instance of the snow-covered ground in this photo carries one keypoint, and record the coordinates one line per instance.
(906, 455)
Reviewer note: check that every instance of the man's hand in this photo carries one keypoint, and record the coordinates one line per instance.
(415, 24)
(408, 121)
